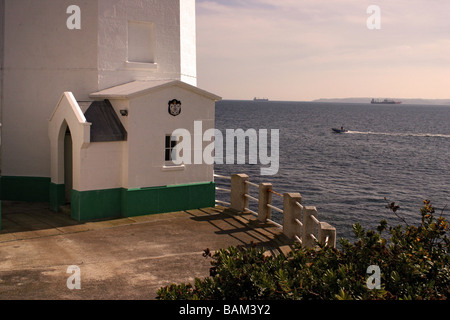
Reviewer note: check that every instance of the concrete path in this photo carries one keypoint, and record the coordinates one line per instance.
(127, 258)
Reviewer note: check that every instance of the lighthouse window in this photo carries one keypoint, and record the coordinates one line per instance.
(171, 143)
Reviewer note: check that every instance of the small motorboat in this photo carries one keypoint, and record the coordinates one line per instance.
(341, 130)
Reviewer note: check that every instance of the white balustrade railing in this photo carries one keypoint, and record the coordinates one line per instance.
(300, 223)
(223, 189)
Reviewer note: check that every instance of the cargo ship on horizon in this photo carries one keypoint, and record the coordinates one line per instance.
(385, 101)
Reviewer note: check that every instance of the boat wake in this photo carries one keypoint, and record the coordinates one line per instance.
(405, 134)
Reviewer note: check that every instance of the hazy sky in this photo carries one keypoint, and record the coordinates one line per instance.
(310, 49)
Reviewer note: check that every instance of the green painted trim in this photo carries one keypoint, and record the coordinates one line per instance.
(57, 196)
(97, 204)
(154, 200)
(111, 203)
(33, 189)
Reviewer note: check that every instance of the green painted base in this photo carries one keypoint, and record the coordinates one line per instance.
(144, 201)
(24, 189)
(110, 203)
(57, 196)
(99, 204)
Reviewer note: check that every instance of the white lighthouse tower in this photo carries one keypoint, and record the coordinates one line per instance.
(85, 88)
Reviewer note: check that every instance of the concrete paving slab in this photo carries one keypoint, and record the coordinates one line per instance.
(127, 258)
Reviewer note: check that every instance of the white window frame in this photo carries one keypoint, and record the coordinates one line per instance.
(171, 148)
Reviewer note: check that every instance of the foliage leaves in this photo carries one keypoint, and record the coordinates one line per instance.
(414, 264)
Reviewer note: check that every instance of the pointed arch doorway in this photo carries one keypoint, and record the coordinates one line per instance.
(63, 166)
(68, 165)
(69, 133)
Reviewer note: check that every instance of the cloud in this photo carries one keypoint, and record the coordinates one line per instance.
(267, 46)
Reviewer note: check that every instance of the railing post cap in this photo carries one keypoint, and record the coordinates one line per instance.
(241, 175)
(326, 226)
(293, 195)
(265, 184)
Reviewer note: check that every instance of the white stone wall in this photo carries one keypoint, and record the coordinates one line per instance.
(138, 162)
(43, 58)
(96, 166)
(174, 36)
(188, 42)
(148, 124)
(101, 166)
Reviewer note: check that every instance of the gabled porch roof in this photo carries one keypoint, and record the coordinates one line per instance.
(137, 88)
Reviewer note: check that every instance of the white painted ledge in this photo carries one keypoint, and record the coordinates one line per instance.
(141, 65)
(174, 168)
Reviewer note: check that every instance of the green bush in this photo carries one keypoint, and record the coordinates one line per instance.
(414, 264)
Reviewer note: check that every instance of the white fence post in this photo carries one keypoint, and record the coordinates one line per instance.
(291, 211)
(238, 190)
(265, 198)
(309, 226)
(299, 222)
(327, 234)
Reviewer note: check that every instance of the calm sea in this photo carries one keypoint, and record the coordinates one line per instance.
(401, 152)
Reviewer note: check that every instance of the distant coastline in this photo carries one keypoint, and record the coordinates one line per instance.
(443, 102)
(404, 101)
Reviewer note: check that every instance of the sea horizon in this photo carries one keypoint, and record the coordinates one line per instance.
(397, 152)
(361, 100)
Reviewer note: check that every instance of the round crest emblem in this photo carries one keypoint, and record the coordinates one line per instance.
(174, 107)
